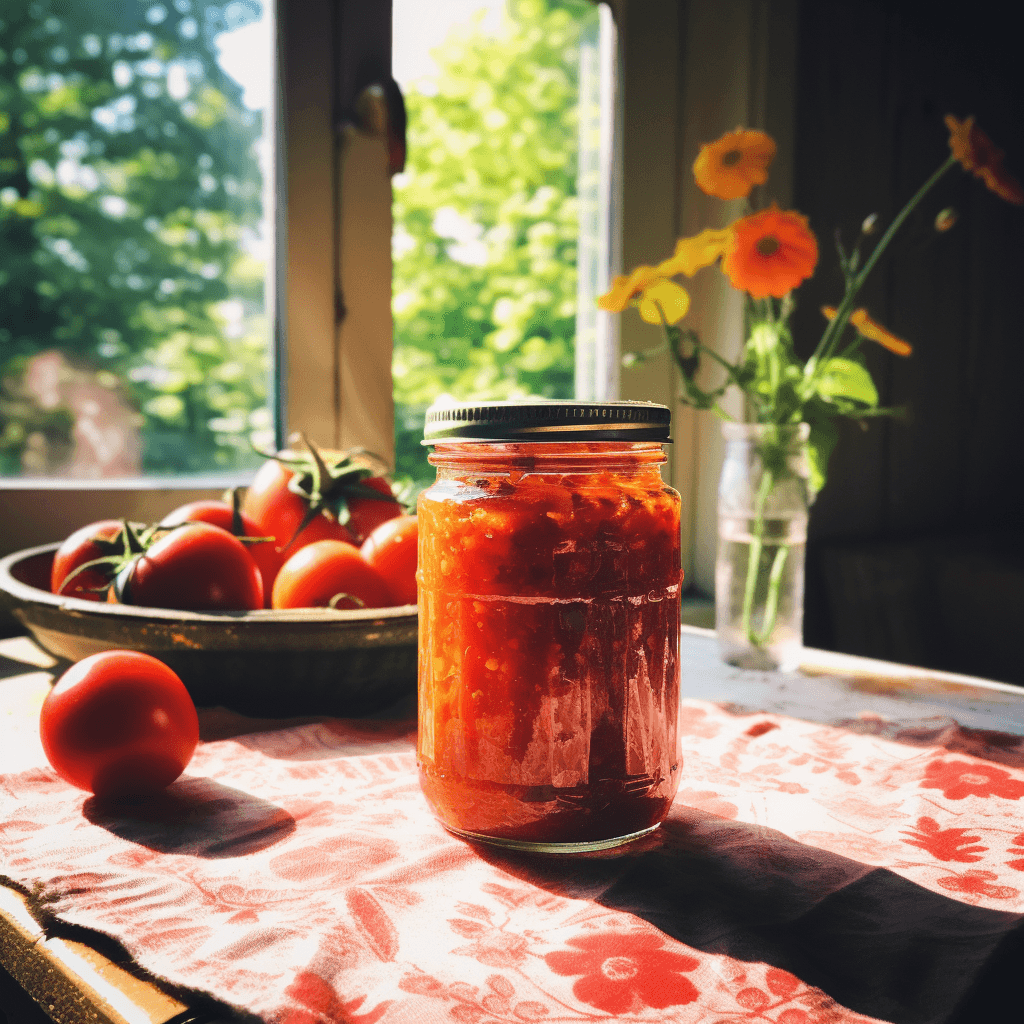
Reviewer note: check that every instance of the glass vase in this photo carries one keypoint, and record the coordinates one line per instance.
(763, 500)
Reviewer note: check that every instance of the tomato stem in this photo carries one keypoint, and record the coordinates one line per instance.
(328, 485)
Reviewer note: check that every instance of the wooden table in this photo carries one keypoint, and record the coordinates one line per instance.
(76, 981)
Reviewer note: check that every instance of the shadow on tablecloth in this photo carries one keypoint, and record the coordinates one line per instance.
(872, 940)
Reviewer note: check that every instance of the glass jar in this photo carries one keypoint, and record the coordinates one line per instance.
(762, 538)
(549, 587)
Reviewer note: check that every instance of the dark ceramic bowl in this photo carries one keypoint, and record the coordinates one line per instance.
(265, 663)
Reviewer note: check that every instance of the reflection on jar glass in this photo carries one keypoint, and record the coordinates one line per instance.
(549, 583)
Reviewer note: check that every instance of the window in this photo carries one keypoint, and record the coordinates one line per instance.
(333, 228)
(134, 154)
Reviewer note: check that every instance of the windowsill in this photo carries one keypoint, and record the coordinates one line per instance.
(196, 482)
(45, 510)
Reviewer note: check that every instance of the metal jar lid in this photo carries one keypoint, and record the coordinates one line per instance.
(547, 420)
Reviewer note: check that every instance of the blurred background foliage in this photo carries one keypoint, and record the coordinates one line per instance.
(486, 220)
(131, 197)
(129, 186)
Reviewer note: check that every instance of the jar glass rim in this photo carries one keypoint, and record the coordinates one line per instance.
(559, 456)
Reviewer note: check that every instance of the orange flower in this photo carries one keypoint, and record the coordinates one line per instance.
(873, 331)
(978, 154)
(649, 289)
(770, 253)
(732, 166)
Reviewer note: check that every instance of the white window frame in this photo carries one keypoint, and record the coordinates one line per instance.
(687, 72)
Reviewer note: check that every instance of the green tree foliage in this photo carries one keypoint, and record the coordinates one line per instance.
(486, 221)
(128, 181)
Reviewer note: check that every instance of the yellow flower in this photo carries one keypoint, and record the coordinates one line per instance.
(732, 166)
(671, 297)
(873, 331)
(623, 289)
(647, 288)
(693, 254)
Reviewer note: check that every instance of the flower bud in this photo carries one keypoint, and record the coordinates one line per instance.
(869, 225)
(630, 359)
(945, 219)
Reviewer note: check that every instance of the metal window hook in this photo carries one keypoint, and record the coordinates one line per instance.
(379, 111)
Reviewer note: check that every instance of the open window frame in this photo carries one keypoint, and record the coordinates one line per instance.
(331, 347)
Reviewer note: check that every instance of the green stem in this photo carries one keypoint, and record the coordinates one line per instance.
(834, 331)
(899, 219)
(754, 558)
(729, 368)
(707, 399)
(771, 605)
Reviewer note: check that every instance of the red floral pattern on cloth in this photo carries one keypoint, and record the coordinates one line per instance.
(298, 875)
(1018, 850)
(945, 843)
(959, 779)
(623, 973)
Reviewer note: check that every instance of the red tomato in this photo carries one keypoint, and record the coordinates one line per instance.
(92, 541)
(279, 512)
(318, 572)
(391, 550)
(198, 567)
(365, 514)
(119, 722)
(266, 555)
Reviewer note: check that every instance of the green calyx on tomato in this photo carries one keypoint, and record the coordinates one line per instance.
(117, 553)
(226, 513)
(239, 527)
(328, 485)
(194, 566)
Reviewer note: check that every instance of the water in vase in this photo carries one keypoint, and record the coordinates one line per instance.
(755, 629)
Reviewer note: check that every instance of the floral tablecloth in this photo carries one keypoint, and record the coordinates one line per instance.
(807, 873)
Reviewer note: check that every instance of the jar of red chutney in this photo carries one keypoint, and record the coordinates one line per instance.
(549, 588)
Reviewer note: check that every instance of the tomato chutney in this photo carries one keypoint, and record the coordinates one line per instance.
(549, 598)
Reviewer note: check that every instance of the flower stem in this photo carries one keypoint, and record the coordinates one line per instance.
(899, 219)
(727, 366)
(771, 605)
(754, 558)
(834, 331)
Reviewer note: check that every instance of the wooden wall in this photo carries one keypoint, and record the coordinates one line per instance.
(917, 544)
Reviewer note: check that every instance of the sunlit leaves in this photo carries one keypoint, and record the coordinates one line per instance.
(822, 440)
(849, 380)
(494, 141)
(132, 227)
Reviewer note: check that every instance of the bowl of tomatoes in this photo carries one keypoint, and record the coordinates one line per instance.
(298, 599)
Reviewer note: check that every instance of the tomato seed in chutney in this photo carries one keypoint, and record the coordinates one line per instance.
(549, 586)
